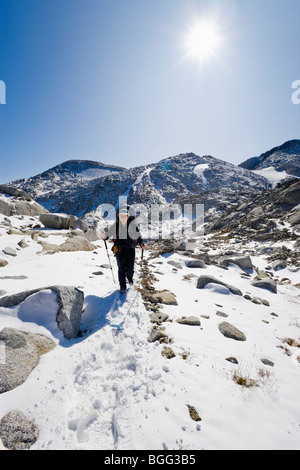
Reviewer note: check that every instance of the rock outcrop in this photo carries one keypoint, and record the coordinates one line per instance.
(230, 331)
(22, 354)
(70, 300)
(17, 202)
(73, 243)
(263, 216)
(56, 221)
(205, 279)
(17, 432)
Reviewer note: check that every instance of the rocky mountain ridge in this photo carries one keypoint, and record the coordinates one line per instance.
(224, 312)
(63, 189)
(51, 186)
(283, 158)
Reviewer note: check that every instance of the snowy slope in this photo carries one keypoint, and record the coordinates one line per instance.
(75, 188)
(113, 389)
(284, 158)
(272, 175)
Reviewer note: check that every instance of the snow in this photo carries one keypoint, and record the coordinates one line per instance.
(199, 171)
(94, 173)
(272, 175)
(113, 390)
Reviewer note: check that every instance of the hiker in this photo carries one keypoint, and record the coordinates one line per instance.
(125, 235)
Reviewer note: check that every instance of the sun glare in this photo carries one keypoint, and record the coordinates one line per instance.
(202, 41)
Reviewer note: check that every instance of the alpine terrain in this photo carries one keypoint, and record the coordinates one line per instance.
(66, 187)
(201, 352)
(279, 163)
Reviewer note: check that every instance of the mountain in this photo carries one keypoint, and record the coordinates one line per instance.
(207, 337)
(278, 163)
(270, 215)
(79, 187)
(59, 182)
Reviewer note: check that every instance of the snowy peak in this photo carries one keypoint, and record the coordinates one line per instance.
(60, 181)
(278, 163)
(87, 169)
(65, 174)
(79, 187)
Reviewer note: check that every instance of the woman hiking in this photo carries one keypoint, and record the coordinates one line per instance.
(126, 235)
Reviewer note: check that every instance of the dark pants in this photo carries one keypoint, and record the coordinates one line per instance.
(125, 259)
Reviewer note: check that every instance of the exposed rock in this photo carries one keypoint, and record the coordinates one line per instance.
(9, 251)
(13, 191)
(188, 277)
(17, 432)
(3, 263)
(70, 300)
(185, 245)
(294, 219)
(193, 413)
(259, 301)
(221, 314)
(22, 353)
(279, 264)
(77, 243)
(22, 243)
(76, 223)
(196, 263)
(168, 353)
(176, 264)
(56, 221)
(193, 321)
(16, 278)
(291, 196)
(158, 318)
(68, 318)
(231, 331)
(157, 335)
(243, 262)
(165, 297)
(262, 274)
(205, 279)
(267, 362)
(262, 216)
(283, 158)
(18, 203)
(233, 360)
(268, 284)
(65, 190)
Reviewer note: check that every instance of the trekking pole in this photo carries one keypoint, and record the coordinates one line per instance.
(142, 256)
(109, 261)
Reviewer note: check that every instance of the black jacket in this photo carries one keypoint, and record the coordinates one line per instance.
(128, 236)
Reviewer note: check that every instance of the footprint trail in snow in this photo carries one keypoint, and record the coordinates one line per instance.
(99, 415)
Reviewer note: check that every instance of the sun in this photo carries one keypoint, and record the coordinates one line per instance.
(202, 40)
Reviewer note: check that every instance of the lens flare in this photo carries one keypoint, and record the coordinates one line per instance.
(203, 40)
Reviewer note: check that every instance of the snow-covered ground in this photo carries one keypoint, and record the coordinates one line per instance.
(199, 171)
(272, 175)
(94, 173)
(113, 389)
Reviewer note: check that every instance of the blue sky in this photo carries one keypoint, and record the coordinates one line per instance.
(110, 81)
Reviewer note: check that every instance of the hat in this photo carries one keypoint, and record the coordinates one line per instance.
(123, 211)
